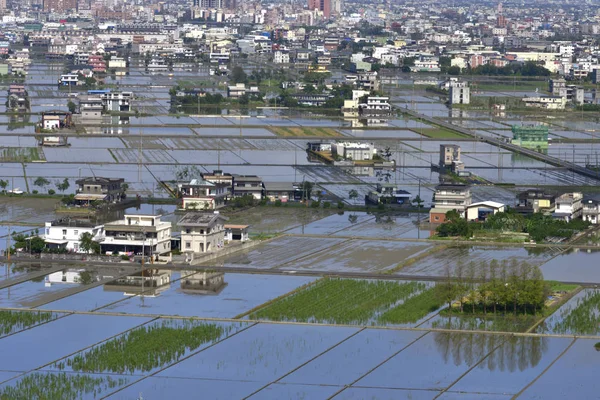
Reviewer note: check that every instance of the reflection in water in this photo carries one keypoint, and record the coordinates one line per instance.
(70, 276)
(203, 283)
(149, 284)
(515, 353)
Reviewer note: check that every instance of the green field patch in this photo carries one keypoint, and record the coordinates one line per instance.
(302, 131)
(583, 318)
(20, 154)
(439, 133)
(340, 301)
(510, 86)
(145, 348)
(59, 386)
(413, 309)
(12, 321)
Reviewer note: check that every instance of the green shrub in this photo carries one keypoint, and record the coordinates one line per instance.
(277, 203)
(51, 192)
(34, 191)
(326, 204)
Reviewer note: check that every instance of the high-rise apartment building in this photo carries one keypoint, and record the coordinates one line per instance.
(205, 4)
(59, 6)
(322, 5)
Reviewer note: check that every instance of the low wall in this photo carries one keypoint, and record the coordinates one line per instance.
(78, 257)
(227, 250)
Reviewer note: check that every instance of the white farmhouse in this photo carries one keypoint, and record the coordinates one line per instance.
(66, 233)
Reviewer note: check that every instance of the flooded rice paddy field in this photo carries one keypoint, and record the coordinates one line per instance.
(293, 361)
(244, 358)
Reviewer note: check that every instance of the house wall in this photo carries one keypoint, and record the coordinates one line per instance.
(71, 234)
(51, 124)
(437, 218)
(197, 203)
(198, 241)
(473, 212)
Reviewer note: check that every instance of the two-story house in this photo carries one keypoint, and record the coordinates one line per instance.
(117, 101)
(248, 184)
(202, 232)
(449, 197)
(109, 190)
(535, 200)
(138, 234)
(591, 211)
(66, 233)
(200, 194)
(569, 206)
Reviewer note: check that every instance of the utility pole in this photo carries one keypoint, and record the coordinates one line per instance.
(143, 256)
(8, 245)
(140, 148)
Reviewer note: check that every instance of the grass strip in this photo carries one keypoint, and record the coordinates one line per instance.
(413, 309)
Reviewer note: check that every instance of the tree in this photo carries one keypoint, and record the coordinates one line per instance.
(72, 106)
(238, 75)
(41, 182)
(453, 70)
(64, 185)
(386, 153)
(32, 243)
(3, 184)
(309, 89)
(244, 99)
(353, 195)
(418, 201)
(88, 244)
(446, 290)
(307, 188)
(187, 172)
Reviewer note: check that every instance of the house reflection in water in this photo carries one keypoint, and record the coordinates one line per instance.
(203, 283)
(151, 283)
(80, 276)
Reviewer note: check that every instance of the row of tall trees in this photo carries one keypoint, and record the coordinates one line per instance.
(497, 286)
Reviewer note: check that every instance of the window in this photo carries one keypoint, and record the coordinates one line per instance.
(187, 230)
(64, 231)
(76, 232)
(188, 245)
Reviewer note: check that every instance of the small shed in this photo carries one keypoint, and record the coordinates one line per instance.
(236, 232)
